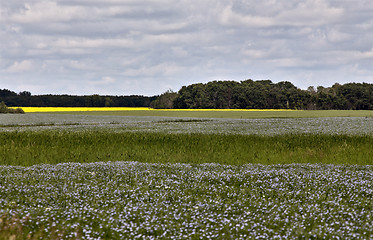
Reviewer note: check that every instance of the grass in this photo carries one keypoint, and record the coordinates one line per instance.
(28, 148)
(206, 113)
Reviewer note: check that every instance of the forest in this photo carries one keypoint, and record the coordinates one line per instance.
(248, 94)
(265, 94)
(26, 99)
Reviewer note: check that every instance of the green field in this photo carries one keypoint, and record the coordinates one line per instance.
(51, 147)
(105, 175)
(234, 114)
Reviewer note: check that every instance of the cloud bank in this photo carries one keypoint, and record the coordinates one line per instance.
(123, 47)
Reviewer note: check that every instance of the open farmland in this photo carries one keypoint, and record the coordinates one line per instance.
(107, 176)
(257, 126)
(131, 200)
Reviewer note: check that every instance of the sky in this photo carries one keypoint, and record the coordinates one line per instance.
(133, 47)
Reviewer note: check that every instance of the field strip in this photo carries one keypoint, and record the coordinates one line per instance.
(108, 109)
(201, 113)
(28, 148)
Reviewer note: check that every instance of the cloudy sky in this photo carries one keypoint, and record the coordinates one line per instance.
(123, 47)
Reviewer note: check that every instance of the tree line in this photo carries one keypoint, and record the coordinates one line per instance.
(248, 94)
(264, 94)
(26, 99)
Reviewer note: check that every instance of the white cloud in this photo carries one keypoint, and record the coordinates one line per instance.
(19, 67)
(301, 13)
(104, 81)
(159, 70)
(45, 11)
(233, 19)
(93, 43)
(310, 13)
(179, 52)
(336, 36)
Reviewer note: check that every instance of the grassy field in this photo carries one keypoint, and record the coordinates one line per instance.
(51, 147)
(94, 175)
(205, 113)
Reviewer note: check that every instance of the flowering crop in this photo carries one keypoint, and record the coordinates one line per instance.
(169, 200)
(89, 109)
(129, 200)
(267, 126)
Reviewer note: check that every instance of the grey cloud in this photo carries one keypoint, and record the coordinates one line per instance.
(146, 47)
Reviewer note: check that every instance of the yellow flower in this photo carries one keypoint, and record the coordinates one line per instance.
(99, 109)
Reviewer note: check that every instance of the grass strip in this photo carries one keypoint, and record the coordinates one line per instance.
(28, 148)
(228, 113)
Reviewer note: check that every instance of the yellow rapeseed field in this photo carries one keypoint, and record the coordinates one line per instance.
(80, 109)
(99, 109)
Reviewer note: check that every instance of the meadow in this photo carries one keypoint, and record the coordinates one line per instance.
(27, 148)
(95, 175)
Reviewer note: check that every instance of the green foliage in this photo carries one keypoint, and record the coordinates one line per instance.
(248, 94)
(264, 94)
(25, 99)
(7, 93)
(165, 100)
(29, 148)
(4, 109)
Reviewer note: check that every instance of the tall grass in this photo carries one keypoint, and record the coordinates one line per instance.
(28, 148)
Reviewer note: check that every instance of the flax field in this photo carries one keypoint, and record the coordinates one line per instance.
(87, 176)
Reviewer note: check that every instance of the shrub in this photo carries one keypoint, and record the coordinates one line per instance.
(4, 109)
(19, 110)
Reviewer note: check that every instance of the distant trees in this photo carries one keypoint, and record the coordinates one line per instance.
(6, 93)
(248, 94)
(165, 100)
(265, 94)
(26, 99)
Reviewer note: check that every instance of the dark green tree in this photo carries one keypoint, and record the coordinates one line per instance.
(165, 100)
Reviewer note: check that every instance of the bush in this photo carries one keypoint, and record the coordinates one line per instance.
(4, 109)
(19, 110)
